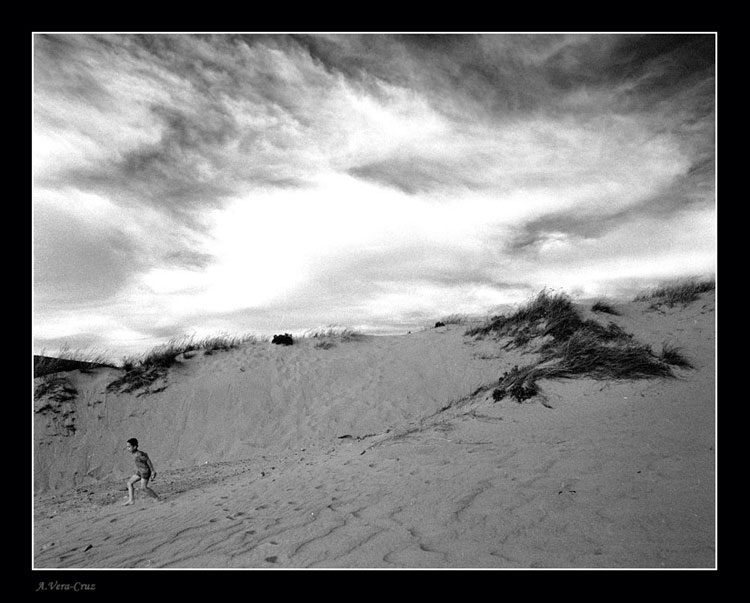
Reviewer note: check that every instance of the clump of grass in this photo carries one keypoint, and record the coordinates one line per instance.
(67, 359)
(573, 347)
(143, 371)
(672, 355)
(552, 316)
(138, 377)
(56, 389)
(165, 355)
(586, 354)
(333, 332)
(604, 307)
(453, 319)
(223, 343)
(677, 292)
(515, 383)
(556, 310)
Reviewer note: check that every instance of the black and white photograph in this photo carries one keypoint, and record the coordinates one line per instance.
(322, 300)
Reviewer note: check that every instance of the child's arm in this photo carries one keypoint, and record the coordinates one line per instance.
(151, 466)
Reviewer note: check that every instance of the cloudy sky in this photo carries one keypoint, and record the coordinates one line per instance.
(198, 184)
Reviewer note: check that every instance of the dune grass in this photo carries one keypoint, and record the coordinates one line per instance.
(549, 316)
(142, 371)
(343, 333)
(604, 307)
(571, 347)
(165, 355)
(453, 319)
(677, 292)
(68, 359)
(327, 337)
(673, 356)
(56, 388)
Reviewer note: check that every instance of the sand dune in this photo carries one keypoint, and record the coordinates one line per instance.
(380, 453)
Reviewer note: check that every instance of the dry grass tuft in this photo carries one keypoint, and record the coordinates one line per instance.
(551, 316)
(572, 347)
(673, 356)
(328, 336)
(454, 319)
(678, 292)
(604, 307)
(142, 371)
(67, 359)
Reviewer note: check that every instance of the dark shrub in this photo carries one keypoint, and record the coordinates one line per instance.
(285, 339)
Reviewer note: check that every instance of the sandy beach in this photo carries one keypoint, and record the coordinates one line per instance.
(388, 453)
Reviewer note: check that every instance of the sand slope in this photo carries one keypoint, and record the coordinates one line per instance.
(374, 453)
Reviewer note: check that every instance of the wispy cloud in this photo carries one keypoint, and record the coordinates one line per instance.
(248, 182)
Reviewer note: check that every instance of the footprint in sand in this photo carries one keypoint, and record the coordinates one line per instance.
(568, 488)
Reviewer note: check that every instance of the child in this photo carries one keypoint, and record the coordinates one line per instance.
(144, 471)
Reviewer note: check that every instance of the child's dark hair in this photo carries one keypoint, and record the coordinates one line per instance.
(133, 442)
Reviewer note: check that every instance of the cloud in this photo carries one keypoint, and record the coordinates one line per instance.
(690, 191)
(147, 140)
(638, 250)
(87, 250)
(184, 122)
(187, 181)
(77, 261)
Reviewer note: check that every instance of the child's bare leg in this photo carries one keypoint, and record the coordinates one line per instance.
(131, 481)
(145, 488)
